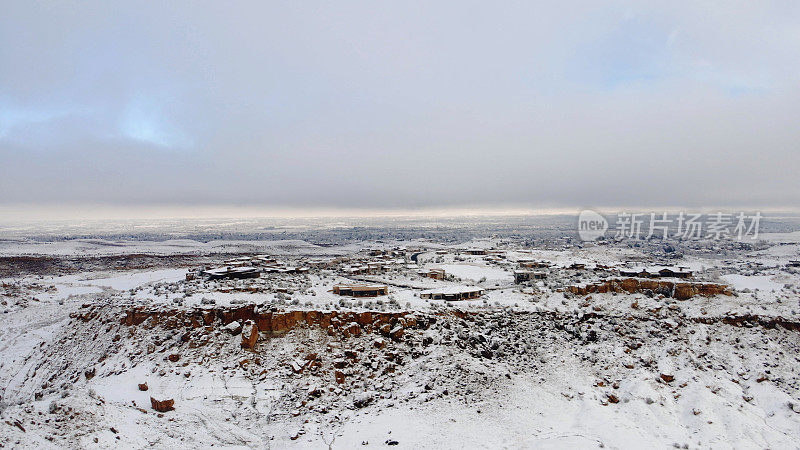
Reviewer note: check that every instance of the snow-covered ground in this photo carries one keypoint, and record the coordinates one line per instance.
(531, 366)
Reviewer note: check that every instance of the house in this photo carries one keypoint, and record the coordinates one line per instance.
(231, 273)
(360, 290)
(451, 294)
(498, 254)
(531, 264)
(288, 269)
(320, 263)
(634, 273)
(658, 272)
(237, 262)
(667, 272)
(521, 276)
(475, 251)
(260, 260)
(356, 270)
(374, 267)
(436, 274)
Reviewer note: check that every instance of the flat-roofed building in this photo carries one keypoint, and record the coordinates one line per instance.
(231, 273)
(475, 251)
(452, 294)
(436, 274)
(521, 276)
(360, 290)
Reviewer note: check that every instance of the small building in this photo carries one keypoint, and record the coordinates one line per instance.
(232, 273)
(374, 267)
(320, 263)
(531, 264)
(453, 294)
(288, 269)
(475, 251)
(261, 260)
(670, 273)
(634, 273)
(360, 290)
(521, 276)
(794, 263)
(356, 270)
(436, 274)
(658, 272)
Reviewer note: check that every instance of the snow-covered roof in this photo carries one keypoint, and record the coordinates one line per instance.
(453, 290)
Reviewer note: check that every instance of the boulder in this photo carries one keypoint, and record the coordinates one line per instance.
(233, 328)
(162, 405)
(396, 333)
(249, 335)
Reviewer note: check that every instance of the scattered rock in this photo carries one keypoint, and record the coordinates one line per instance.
(162, 405)
(363, 399)
(233, 328)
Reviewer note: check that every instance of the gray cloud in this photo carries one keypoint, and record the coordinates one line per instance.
(406, 105)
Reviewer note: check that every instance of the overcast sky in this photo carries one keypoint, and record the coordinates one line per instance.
(400, 104)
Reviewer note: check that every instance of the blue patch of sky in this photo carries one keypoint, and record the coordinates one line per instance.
(636, 50)
(13, 118)
(143, 120)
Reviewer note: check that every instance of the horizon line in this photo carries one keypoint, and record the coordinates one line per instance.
(28, 212)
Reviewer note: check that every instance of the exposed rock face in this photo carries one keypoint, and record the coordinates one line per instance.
(679, 290)
(249, 335)
(274, 323)
(751, 320)
(143, 386)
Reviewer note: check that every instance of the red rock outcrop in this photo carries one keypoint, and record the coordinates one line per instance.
(272, 323)
(679, 290)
